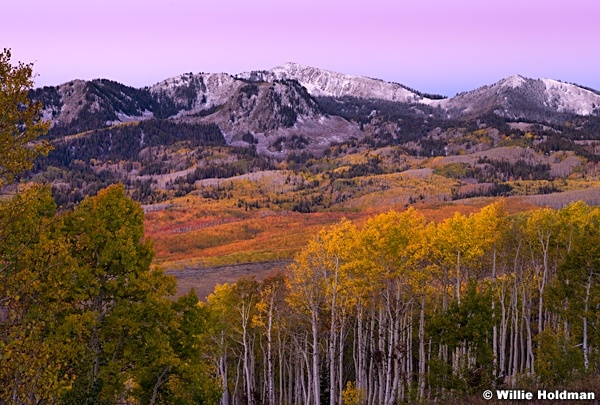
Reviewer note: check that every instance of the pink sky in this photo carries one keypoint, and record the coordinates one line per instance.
(434, 46)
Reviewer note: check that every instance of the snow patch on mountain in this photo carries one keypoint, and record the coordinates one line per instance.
(570, 98)
(321, 82)
(124, 118)
(206, 90)
(513, 81)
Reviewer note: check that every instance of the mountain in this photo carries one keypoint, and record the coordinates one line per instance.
(190, 93)
(517, 97)
(294, 108)
(277, 116)
(79, 105)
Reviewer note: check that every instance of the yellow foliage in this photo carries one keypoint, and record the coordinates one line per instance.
(352, 395)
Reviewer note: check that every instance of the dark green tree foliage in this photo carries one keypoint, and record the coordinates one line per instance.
(300, 158)
(575, 295)
(125, 142)
(82, 180)
(466, 326)
(116, 291)
(591, 126)
(249, 138)
(284, 115)
(559, 359)
(301, 95)
(520, 170)
(49, 97)
(295, 142)
(189, 92)
(164, 106)
(308, 204)
(189, 379)
(432, 147)
(496, 190)
(249, 90)
(37, 335)
(372, 167)
(414, 120)
(103, 100)
(248, 160)
(85, 319)
(120, 98)
(20, 123)
(555, 143)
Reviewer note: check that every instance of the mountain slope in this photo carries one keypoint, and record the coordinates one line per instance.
(190, 93)
(79, 105)
(184, 134)
(278, 117)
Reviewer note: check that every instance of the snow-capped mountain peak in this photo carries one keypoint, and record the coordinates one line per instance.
(513, 81)
(518, 97)
(326, 83)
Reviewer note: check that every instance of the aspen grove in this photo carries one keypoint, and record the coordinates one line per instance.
(406, 310)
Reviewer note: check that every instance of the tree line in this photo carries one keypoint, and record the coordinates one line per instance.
(125, 142)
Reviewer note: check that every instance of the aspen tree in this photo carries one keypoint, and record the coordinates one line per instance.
(272, 298)
(542, 229)
(38, 333)
(574, 292)
(20, 120)
(323, 264)
(116, 290)
(490, 229)
(392, 244)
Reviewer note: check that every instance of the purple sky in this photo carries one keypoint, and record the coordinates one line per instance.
(433, 46)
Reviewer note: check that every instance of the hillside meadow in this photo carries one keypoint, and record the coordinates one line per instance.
(194, 231)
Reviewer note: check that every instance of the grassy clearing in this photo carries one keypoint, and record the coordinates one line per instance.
(198, 231)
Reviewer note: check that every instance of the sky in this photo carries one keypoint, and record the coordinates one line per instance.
(435, 46)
